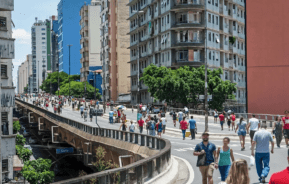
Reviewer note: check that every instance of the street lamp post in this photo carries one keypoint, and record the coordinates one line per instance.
(69, 69)
(206, 79)
(38, 76)
(51, 72)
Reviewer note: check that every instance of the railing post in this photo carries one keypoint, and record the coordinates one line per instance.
(148, 141)
(121, 135)
(131, 137)
(113, 134)
(150, 169)
(126, 136)
(158, 144)
(142, 140)
(109, 131)
(153, 142)
(117, 134)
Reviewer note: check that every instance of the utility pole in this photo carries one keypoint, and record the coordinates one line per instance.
(38, 76)
(95, 86)
(206, 75)
(69, 69)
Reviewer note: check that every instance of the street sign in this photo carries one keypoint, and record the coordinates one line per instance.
(64, 150)
(201, 97)
(210, 96)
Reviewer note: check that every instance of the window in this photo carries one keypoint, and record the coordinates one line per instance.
(210, 55)
(210, 38)
(217, 22)
(213, 36)
(5, 165)
(168, 56)
(213, 19)
(209, 1)
(216, 3)
(168, 18)
(3, 24)
(168, 1)
(43, 33)
(43, 38)
(226, 75)
(4, 71)
(42, 29)
(43, 42)
(213, 56)
(217, 38)
(4, 125)
(43, 47)
(209, 18)
(43, 52)
(162, 21)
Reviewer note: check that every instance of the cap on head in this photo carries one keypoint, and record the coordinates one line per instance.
(206, 133)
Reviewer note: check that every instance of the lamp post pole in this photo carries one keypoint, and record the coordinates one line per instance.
(206, 79)
(69, 69)
(94, 85)
(38, 76)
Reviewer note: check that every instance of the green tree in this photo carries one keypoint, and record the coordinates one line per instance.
(38, 171)
(20, 140)
(26, 89)
(16, 126)
(184, 84)
(23, 153)
(77, 90)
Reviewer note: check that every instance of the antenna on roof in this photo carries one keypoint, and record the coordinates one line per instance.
(36, 19)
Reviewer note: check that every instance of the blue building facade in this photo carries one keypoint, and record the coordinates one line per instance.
(98, 79)
(68, 34)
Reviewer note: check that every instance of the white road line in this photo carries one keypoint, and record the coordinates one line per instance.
(190, 168)
(241, 155)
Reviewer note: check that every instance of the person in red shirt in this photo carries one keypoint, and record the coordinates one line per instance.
(222, 118)
(140, 124)
(140, 106)
(184, 127)
(285, 120)
(281, 177)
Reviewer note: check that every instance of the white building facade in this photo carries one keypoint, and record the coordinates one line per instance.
(174, 33)
(7, 90)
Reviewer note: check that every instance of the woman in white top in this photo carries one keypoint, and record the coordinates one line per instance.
(215, 116)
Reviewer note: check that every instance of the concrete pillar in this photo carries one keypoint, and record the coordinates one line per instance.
(10, 166)
(139, 174)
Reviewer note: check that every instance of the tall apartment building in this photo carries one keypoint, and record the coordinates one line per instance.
(68, 34)
(25, 74)
(54, 44)
(7, 91)
(90, 38)
(114, 53)
(177, 33)
(41, 51)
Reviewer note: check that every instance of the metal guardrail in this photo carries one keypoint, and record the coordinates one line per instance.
(137, 172)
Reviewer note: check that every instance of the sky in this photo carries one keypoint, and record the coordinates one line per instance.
(23, 17)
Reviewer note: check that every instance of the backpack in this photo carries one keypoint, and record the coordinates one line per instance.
(152, 127)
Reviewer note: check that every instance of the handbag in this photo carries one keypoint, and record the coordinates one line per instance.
(201, 160)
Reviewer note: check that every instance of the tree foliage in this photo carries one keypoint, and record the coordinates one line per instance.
(23, 153)
(20, 140)
(77, 90)
(16, 126)
(38, 171)
(183, 85)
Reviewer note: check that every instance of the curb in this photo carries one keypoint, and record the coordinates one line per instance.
(190, 168)
(168, 176)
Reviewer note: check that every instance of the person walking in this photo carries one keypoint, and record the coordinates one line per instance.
(180, 116)
(155, 121)
(233, 118)
(58, 109)
(85, 114)
(123, 127)
(281, 177)
(132, 108)
(238, 173)
(140, 124)
(229, 121)
(55, 109)
(164, 121)
(111, 116)
(222, 118)
(72, 106)
(215, 116)
(46, 104)
(81, 111)
(131, 127)
(254, 125)
(186, 111)
(285, 120)
(174, 118)
(242, 132)
(277, 130)
(160, 127)
(184, 127)
(226, 155)
(262, 156)
(207, 167)
(151, 127)
(193, 127)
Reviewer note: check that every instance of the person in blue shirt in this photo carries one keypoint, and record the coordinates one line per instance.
(193, 126)
(111, 116)
(207, 168)
(81, 111)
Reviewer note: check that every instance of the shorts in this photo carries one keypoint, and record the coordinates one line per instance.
(81, 112)
(221, 122)
(228, 123)
(286, 133)
(90, 116)
(243, 133)
(216, 116)
(252, 133)
(160, 130)
(164, 127)
(207, 170)
(186, 112)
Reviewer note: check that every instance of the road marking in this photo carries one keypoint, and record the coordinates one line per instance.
(241, 155)
(190, 168)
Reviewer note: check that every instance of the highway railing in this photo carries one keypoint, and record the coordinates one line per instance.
(137, 172)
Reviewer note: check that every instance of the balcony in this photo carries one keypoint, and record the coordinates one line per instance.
(189, 44)
(186, 62)
(6, 48)
(7, 5)
(187, 24)
(241, 68)
(7, 97)
(241, 85)
(190, 4)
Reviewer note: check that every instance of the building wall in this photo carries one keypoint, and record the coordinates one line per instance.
(267, 55)
(68, 18)
(97, 81)
(94, 35)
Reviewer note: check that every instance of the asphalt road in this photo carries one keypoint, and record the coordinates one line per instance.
(185, 148)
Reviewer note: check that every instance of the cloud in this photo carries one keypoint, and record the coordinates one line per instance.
(21, 36)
